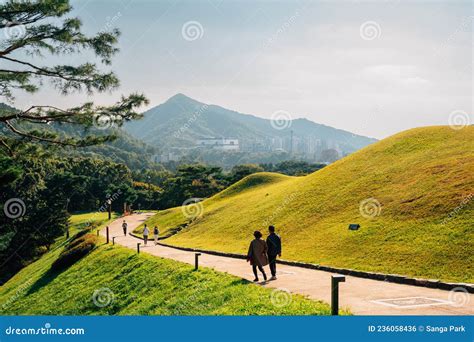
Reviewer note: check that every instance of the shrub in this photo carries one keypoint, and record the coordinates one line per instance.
(75, 250)
(80, 234)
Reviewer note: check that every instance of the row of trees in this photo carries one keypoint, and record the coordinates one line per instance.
(38, 194)
(39, 186)
(201, 181)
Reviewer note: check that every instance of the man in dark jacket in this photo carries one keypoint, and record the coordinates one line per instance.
(274, 249)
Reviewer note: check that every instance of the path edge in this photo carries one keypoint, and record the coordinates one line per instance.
(392, 278)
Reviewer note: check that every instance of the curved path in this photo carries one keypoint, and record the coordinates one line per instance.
(361, 296)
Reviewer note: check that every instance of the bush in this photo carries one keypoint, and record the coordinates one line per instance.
(75, 250)
(80, 234)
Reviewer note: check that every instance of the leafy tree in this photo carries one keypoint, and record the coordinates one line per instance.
(192, 181)
(148, 195)
(240, 171)
(34, 211)
(293, 167)
(39, 28)
(42, 186)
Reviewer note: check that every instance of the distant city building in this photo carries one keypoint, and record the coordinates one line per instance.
(165, 157)
(225, 144)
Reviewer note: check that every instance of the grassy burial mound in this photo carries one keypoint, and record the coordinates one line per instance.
(412, 194)
(113, 280)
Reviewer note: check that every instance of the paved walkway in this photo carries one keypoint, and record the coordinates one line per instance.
(361, 296)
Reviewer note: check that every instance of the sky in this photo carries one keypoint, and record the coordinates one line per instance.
(372, 68)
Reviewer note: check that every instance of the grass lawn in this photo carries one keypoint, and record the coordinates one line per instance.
(134, 284)
(419, 185)
(83, 220)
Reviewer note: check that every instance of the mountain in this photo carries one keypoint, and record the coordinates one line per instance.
(411, 193)
(181, 121)
(126, 149)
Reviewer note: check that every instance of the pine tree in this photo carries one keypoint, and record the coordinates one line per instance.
(32, 29)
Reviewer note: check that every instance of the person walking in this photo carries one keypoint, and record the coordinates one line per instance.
(124, 227)
(145, 234)
(156, 232)
(274, 250)
(257, 255)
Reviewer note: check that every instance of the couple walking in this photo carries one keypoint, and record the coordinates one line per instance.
(262, 253)
(146, 232)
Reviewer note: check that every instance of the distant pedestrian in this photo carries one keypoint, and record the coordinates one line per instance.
(146, 232)
(156, 232)
(274, 249)
(257, 255)
(124, 227)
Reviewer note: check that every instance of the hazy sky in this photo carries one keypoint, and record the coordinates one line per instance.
(373, 68)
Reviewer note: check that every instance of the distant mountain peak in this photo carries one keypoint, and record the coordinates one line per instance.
(180, 97)
(177, 124)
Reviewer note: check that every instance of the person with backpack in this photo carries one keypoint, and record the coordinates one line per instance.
(146, 231)
(257, 255)
(274, 250)
(156, 232)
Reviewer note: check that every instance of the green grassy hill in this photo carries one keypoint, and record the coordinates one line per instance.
(132, 284)
(417, 185)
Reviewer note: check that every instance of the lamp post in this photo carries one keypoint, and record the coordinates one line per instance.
(149, 191)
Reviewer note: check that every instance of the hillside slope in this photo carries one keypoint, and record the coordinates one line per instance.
(411, 193)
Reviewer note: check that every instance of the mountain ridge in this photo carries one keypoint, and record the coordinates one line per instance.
(181, 120)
